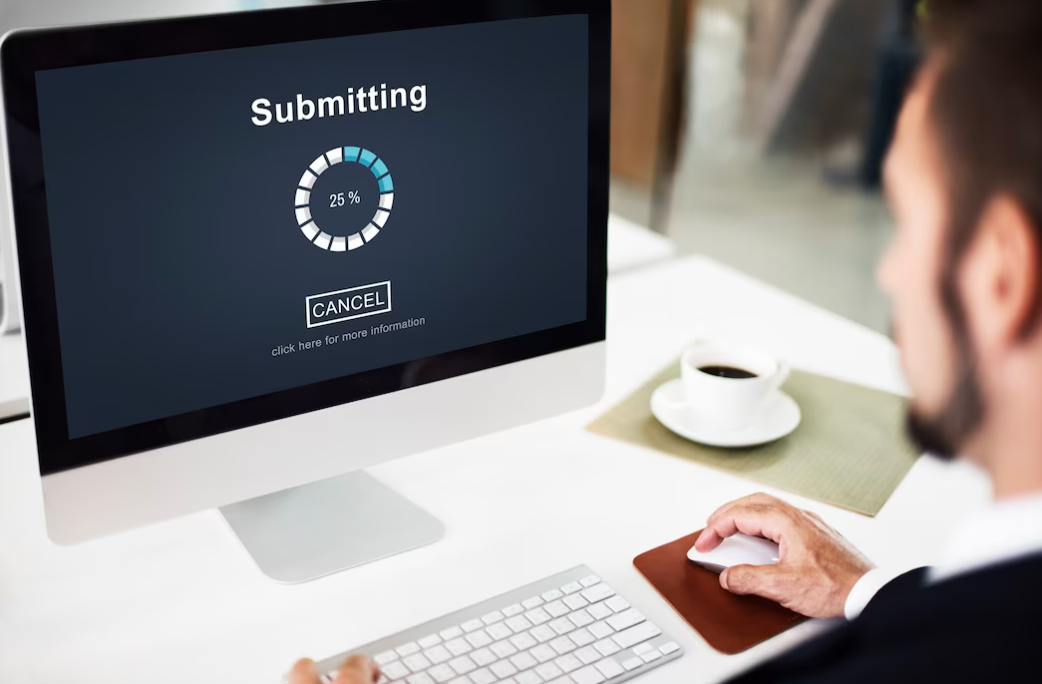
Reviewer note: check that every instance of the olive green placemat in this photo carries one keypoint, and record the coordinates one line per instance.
(849, 450)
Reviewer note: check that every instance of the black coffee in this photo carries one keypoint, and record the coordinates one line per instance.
(728, 372)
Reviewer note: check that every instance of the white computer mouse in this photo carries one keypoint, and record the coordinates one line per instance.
(741, 549)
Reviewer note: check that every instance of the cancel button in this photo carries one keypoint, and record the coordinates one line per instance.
(349, 304)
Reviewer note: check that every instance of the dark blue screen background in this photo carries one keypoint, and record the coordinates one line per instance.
(179, 264)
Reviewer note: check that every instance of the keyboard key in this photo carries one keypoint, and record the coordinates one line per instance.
(582, 637)
(395, 670)
(561, 646)
(531, 603)
(416, 663)
(438, 654)
(450, 633)
(597, 592)
(503, 649)
(442, 673)
(499, 631)
(607, 647)
(671, 647)
(461, 680)
(571, 588)
(492, 618)
(420, 678)
(529, 678)
(524, 661)
(519, 624)
(632, 664)
(538, 616)
(483, 676)
(385, 657)
(428, 641)
(408, 649)
(580, 618)
(552, 595)
(544, 653)
(601, 629)
(625, 620)
(514, 609)
(479, 639)
(590, 581)
(599, 611)
(483, 657)
(458, 647)
(609, 668)
(642, 649)
(556, 609)
(651, 656)
(587, 675)
(617, 604)
(635, 635)
(562, 626)
(462, 665)
(587, 655)
(503, 669)
(575, 602)
(472, 625)
(568, 663)
(549, 671)
(542, 633)
(523, 642)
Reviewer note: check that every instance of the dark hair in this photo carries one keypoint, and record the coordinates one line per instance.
(986, 107)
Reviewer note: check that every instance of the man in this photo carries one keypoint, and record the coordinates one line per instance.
(965, 275)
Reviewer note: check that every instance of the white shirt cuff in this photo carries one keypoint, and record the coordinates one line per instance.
(865, 590)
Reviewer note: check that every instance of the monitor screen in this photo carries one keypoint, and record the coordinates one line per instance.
(234, 223)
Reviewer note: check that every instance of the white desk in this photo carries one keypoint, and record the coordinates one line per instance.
(631, 246)
(14, 377)
(181, 602)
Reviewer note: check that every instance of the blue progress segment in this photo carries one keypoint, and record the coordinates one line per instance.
(351, 153)
(385, 184)
(379, 168)
(367, 158)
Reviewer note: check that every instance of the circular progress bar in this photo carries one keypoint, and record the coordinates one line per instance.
(312, 231)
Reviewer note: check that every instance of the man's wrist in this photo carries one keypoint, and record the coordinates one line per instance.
(865, 589)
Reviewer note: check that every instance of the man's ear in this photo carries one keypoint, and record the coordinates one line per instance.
(1000, 277)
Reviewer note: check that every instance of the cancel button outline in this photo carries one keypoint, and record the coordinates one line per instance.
(348, 304)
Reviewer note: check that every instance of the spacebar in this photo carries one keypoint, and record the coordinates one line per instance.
(635, 635)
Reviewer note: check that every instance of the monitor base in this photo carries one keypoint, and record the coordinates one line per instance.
(308, 532)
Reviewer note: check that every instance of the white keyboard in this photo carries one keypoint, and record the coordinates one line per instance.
(570, 628)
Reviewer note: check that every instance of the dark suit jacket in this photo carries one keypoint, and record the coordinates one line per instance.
(985, 626)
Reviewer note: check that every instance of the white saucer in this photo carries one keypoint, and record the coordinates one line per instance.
(779, 417)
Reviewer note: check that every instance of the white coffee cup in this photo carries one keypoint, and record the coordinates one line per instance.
(729, 403)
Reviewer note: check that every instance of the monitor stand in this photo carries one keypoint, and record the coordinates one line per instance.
(308, 532)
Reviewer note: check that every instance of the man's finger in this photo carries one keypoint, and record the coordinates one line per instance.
(756, 520)
(304, 672)
(757, 580)
(709, 539)
(357, 670)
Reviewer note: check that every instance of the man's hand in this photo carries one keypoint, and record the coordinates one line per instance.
(355, 670)
(816, 569)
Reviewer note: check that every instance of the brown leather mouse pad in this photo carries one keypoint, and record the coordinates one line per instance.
(730, 624)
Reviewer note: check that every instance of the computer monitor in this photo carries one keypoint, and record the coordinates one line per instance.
(260, 252)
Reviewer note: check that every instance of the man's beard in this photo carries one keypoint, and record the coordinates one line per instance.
(945, 434)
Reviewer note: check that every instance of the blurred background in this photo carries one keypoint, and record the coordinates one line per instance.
(750, 131)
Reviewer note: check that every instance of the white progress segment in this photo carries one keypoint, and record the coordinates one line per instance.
(319, 165)
(387, 201)
(370, 232)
